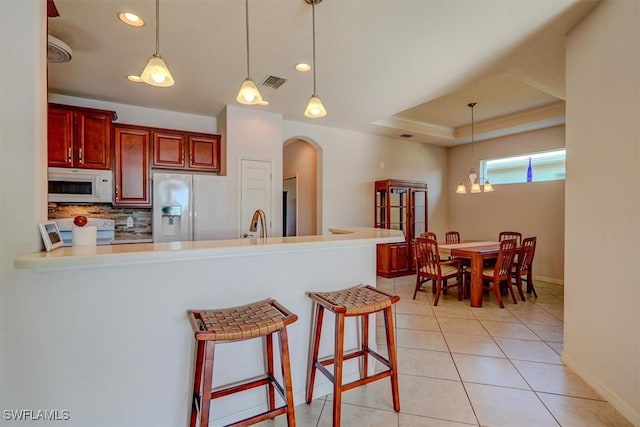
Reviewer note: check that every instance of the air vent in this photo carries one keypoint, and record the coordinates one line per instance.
(273, 82)
(57, 50)
(406, 135)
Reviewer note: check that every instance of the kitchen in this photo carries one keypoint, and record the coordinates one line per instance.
(26, 293)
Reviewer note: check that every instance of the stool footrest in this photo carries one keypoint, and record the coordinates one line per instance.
(260, 417)
(247, 385)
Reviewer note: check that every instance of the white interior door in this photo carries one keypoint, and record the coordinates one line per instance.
(255, 188)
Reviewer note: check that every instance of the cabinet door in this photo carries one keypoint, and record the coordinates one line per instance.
(168, 149)
(93, 141)
(204, 152)
(60, 137)
(398, 257)
(132, 172)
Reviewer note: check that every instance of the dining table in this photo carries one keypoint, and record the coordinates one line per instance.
(477, 252)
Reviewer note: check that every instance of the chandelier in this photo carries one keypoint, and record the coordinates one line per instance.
(472, 183)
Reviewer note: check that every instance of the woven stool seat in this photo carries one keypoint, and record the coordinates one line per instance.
(238, 323)
(354, 301)
(261, 320)
(360, 302)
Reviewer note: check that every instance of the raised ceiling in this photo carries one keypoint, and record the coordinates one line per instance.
(385, 67)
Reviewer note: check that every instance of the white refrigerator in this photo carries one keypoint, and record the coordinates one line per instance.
(189, 207)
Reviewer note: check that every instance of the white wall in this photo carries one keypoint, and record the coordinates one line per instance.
(142, 116)
(300, 160)
(602, 290)
(252, 133)
(353, 161)
(534, 209)
(23, 133)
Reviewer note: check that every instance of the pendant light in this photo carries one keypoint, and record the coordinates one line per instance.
(314, 109)
(248, 94)
(472, 182)
(156, 73)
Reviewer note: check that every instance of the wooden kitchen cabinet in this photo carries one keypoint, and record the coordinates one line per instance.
(132, 166)
(186, 150)
(399, 205)
(79, 137)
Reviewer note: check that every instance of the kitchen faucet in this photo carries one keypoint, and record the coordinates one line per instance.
(259, 216)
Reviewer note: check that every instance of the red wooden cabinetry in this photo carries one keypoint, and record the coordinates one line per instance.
(79, 137)
(186, 150)
(131, 170)
(399, 205)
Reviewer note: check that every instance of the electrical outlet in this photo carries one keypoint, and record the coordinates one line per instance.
(129, 222)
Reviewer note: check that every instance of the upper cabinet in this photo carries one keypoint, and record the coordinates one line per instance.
(131, 170)
(79, 137)
(186, 150)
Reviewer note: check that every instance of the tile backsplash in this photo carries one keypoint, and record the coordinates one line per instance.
(141, 218)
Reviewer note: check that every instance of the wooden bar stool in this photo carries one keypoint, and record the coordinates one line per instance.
(260, 319)
(358, 301)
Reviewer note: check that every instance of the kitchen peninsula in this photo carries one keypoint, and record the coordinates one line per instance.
(118, 314)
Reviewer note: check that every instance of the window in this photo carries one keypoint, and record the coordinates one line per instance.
(545, 166)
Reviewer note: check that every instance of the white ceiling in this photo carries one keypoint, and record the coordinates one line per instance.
(385, 67)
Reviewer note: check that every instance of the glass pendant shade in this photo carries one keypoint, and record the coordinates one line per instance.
(461, 189)
(488, 187)
(156, 73)
(315, 109)
(249, 94)
(475, 188)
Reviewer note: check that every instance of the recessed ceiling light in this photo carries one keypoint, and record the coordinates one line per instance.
(135, 79)
(302, 67)
(130, 19)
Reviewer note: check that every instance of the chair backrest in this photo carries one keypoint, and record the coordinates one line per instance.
(429, 235)
(427, 259)
(452, 237)
(506, 235)
(525, 256)
(504, 263)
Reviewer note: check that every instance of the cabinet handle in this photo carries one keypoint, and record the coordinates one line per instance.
(80, 154)
(69, 154)
(116, 192)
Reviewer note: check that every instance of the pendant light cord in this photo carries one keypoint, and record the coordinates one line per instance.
(246, 26)
(472, 105)
(313, 26)
(157, 27)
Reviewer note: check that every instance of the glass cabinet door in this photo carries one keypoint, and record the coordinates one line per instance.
(381, 209)
(419, 212)
(398, 209)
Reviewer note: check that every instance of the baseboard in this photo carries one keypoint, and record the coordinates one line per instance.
(620, 405)
(549, 280)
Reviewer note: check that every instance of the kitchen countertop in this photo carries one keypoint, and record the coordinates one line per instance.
(83, 257)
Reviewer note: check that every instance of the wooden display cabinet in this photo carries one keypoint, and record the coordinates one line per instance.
(399, 205)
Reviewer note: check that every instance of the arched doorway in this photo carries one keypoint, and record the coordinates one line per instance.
(302, 187)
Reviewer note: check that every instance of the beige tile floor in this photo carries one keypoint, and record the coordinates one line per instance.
(461, 366)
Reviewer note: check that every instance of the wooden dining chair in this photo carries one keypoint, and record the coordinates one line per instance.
(523, 267)
(429, 235)
(452, 237)
(506, 235)
(429, 267)
(500, 272)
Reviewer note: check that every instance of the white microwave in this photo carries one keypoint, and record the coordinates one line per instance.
(80, 185)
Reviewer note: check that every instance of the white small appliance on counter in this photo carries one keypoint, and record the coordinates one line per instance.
(105, 230)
